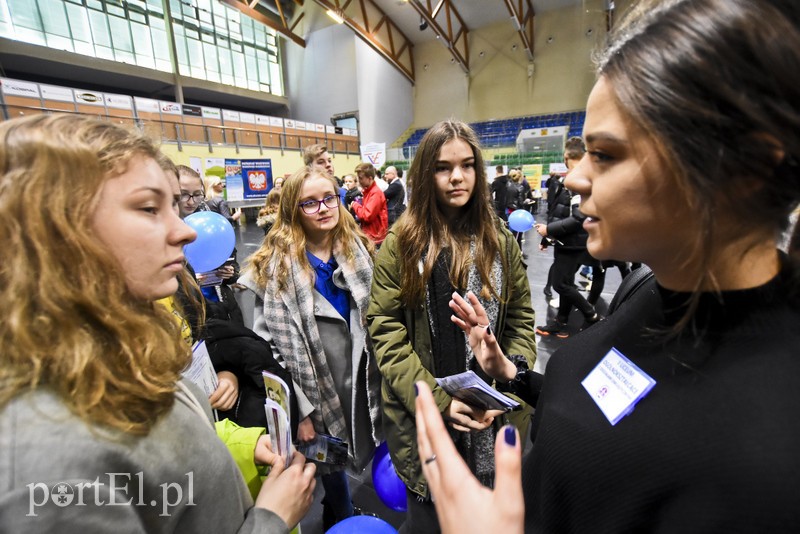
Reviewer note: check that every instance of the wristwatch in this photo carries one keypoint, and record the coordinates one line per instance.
(519, 381)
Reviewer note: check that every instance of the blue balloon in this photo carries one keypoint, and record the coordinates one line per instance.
(520, 220)
(214, 243)
(388, 485)
(362, 524)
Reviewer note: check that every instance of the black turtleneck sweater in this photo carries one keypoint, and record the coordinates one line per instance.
(714, 446)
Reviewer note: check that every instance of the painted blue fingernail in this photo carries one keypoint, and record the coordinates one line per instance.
(511, 436)
(416, 390)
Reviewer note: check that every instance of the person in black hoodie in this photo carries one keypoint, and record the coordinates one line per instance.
(220, 299)
(565, 229)
(233, 348)
(239, 350)
(499, 190)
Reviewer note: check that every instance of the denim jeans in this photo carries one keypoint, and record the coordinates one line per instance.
(337, 494)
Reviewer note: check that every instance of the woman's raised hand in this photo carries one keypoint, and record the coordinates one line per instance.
(463, 505)
(470, 316)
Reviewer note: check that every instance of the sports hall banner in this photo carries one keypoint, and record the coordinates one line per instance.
(256, 177)
(533, 173)
(234, 188)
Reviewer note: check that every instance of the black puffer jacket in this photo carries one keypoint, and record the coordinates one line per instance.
(564, 217)
(244, 353)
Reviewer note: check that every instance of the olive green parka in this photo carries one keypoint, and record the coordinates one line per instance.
(402, 343)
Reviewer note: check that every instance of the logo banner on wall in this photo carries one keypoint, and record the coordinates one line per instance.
(256, 175)
(533, 173)
(215, 167)
(374, 153)
(234, 188)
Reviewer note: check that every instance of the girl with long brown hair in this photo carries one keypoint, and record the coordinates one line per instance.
(449, 239)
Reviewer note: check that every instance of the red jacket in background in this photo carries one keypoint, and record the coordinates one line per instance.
(372, 213)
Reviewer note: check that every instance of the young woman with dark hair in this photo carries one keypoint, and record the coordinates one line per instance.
(678, 412)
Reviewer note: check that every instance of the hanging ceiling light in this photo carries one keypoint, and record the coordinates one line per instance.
(338, 17)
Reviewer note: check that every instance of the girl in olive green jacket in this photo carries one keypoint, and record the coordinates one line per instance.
(448, 240)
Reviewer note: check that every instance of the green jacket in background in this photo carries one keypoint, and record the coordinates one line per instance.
(402, 344)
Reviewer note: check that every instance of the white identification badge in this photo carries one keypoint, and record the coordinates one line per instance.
(616, 385)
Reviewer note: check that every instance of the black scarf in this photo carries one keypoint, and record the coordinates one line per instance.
(447, 340)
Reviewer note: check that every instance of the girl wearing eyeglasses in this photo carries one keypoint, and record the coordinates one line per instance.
(312, 277)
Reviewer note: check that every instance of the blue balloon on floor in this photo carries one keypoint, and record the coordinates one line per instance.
(388, 486)
(520, 220)
(214, 243)
(362, 524)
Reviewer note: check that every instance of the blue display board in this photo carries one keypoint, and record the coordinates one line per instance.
(256, 175)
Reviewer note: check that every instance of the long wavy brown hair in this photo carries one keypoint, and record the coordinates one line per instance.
(68, 322)
(287, 232)
(424, 230)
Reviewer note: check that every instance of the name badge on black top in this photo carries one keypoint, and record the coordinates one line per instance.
(616, 384)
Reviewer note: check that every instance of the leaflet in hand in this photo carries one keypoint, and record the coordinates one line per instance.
(201, 370)
(278, 415)
(280, 433)
(470, 389)
(325, 449)
(208, 279)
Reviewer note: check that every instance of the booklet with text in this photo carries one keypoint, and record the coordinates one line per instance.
(470, 389)
(278, 415)
(201, 370)
(324, 449)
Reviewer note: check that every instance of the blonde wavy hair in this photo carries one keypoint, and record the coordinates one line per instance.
(210, 183)
(288, 238)
(68, 321)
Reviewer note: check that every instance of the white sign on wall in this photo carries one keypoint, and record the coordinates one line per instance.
(118, 101)
(146, 104)
(230, 115)
(374, 153)
(54, 92)
(211, 113)
(18, 88)
(171, 108)
(89, 97)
